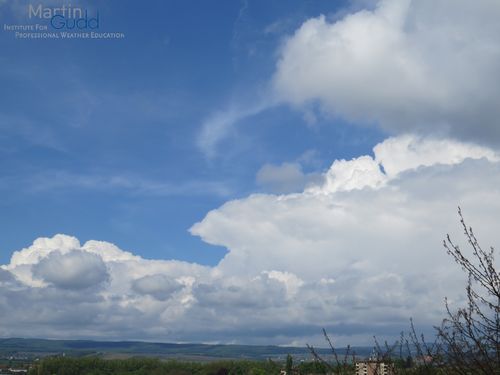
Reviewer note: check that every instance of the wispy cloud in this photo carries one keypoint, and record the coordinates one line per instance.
(131, 184)
(21, 127)
(221, 124)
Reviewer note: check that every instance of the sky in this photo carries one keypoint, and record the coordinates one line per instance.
(244, 171)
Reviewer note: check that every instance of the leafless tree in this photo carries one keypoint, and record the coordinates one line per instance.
(341, 364)
(467, 342)
(470, 335)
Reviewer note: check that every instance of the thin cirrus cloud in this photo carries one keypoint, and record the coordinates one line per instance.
(221, 124)
(358, 253)
(60, 180)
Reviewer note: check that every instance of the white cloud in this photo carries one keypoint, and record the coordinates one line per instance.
(365, 244)
(376, 237)
(292, 282)
(395, 155)
(410, 152)
(41, 248)
(220, 125)
(346, 175)
(358, 254)
(410, 66)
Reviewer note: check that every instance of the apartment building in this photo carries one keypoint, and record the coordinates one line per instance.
(371, 367)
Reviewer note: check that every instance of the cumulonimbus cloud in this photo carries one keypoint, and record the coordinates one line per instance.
(358, 253)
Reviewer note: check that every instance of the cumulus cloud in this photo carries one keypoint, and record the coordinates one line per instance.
(410, 66)
(44, 282)
(395, 155)
(358, 253)
(410, 152)
(242, 294)
(407, 66)
(364, 243)
(6, 278)
(73, 270)
(159, 286)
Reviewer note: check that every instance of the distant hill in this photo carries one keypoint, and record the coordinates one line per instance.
(33, 348)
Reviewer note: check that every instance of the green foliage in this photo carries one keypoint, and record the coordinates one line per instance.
(289, 364)
(144, 366)
(313, 368)
(257, 371)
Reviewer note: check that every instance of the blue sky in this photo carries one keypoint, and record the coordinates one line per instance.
(245, 171)
(77, 113)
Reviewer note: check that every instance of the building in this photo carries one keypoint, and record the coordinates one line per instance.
(371, 367)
